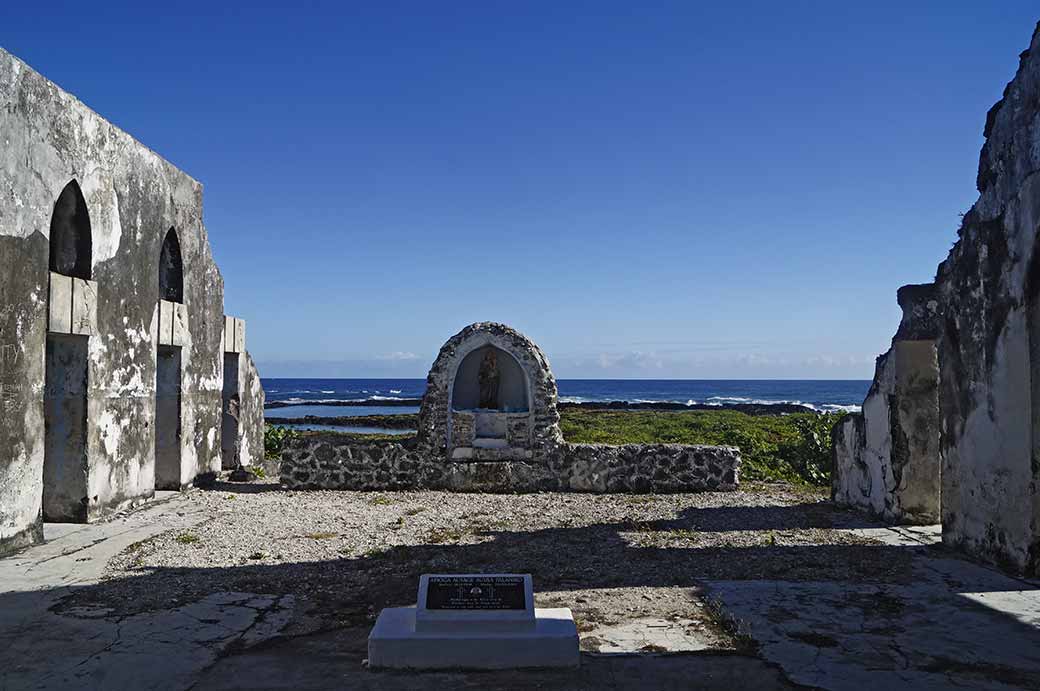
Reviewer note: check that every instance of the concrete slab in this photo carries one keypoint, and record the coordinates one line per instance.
(648, 634)
(87, 649)
(955, 624)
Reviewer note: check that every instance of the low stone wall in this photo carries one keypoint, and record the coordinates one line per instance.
(330, 461)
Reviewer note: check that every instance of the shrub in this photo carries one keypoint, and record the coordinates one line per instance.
(793, 448)
(275, 439)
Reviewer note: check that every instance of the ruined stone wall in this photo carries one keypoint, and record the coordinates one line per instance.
(988, 285)
(886, 457)
(134, 198)
(330, 461)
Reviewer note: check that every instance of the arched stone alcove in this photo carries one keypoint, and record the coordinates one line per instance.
(490, 378)
(490, 396)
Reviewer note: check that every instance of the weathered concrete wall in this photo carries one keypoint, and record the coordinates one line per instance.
(330, 461)
(991, 469)
(134, 198)
(437, 419)
(251, 422)
(887, 458)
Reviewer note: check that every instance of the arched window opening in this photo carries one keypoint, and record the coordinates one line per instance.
(171, 269)
(70, 252)
(489, 378)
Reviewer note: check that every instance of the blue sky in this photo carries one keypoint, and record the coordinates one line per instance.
(690, 190)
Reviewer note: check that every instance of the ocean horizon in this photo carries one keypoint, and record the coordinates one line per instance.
(384, 395)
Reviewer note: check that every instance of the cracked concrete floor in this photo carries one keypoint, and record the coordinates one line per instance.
(951, 624)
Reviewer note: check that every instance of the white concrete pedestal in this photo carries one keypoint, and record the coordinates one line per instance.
(481, 621)
(552, 641)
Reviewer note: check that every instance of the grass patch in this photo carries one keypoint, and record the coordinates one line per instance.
(791, 448)
(321, 536)
(187, 539)
(380, 501)
(415, 511)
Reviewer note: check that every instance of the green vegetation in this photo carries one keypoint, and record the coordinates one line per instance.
(187, 538)
(275, 438)
(795, 447)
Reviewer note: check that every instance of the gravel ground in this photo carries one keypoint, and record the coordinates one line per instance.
(611, 558)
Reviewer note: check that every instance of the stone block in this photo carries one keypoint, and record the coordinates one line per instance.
(228, 338)
(166, 309)
(60, 304)
(180, 335)
(84, 307)
(234, 335)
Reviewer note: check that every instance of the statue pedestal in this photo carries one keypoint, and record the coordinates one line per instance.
(474, 622)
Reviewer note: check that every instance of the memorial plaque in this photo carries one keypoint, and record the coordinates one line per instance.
(476, 593)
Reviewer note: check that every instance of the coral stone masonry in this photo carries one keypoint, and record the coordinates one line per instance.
(514, 446)
(115, 370)
(522, 423)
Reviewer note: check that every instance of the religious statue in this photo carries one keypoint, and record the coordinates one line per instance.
(488, 379)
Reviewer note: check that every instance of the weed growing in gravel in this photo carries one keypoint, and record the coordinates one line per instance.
(439, 536)
(187, 539)
(380, 501)
(414, 511)
(737, 630)
(321, 536)
(258, 555)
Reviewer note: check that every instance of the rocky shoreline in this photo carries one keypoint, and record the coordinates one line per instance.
(747, 408)
(403, 421)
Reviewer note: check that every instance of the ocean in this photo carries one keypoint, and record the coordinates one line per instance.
(379, 396)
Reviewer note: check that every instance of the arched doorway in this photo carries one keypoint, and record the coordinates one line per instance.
(1033, 322)
(65, 497)
(168, 372)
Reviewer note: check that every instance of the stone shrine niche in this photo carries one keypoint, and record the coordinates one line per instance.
(489, 378)
(490, 396)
